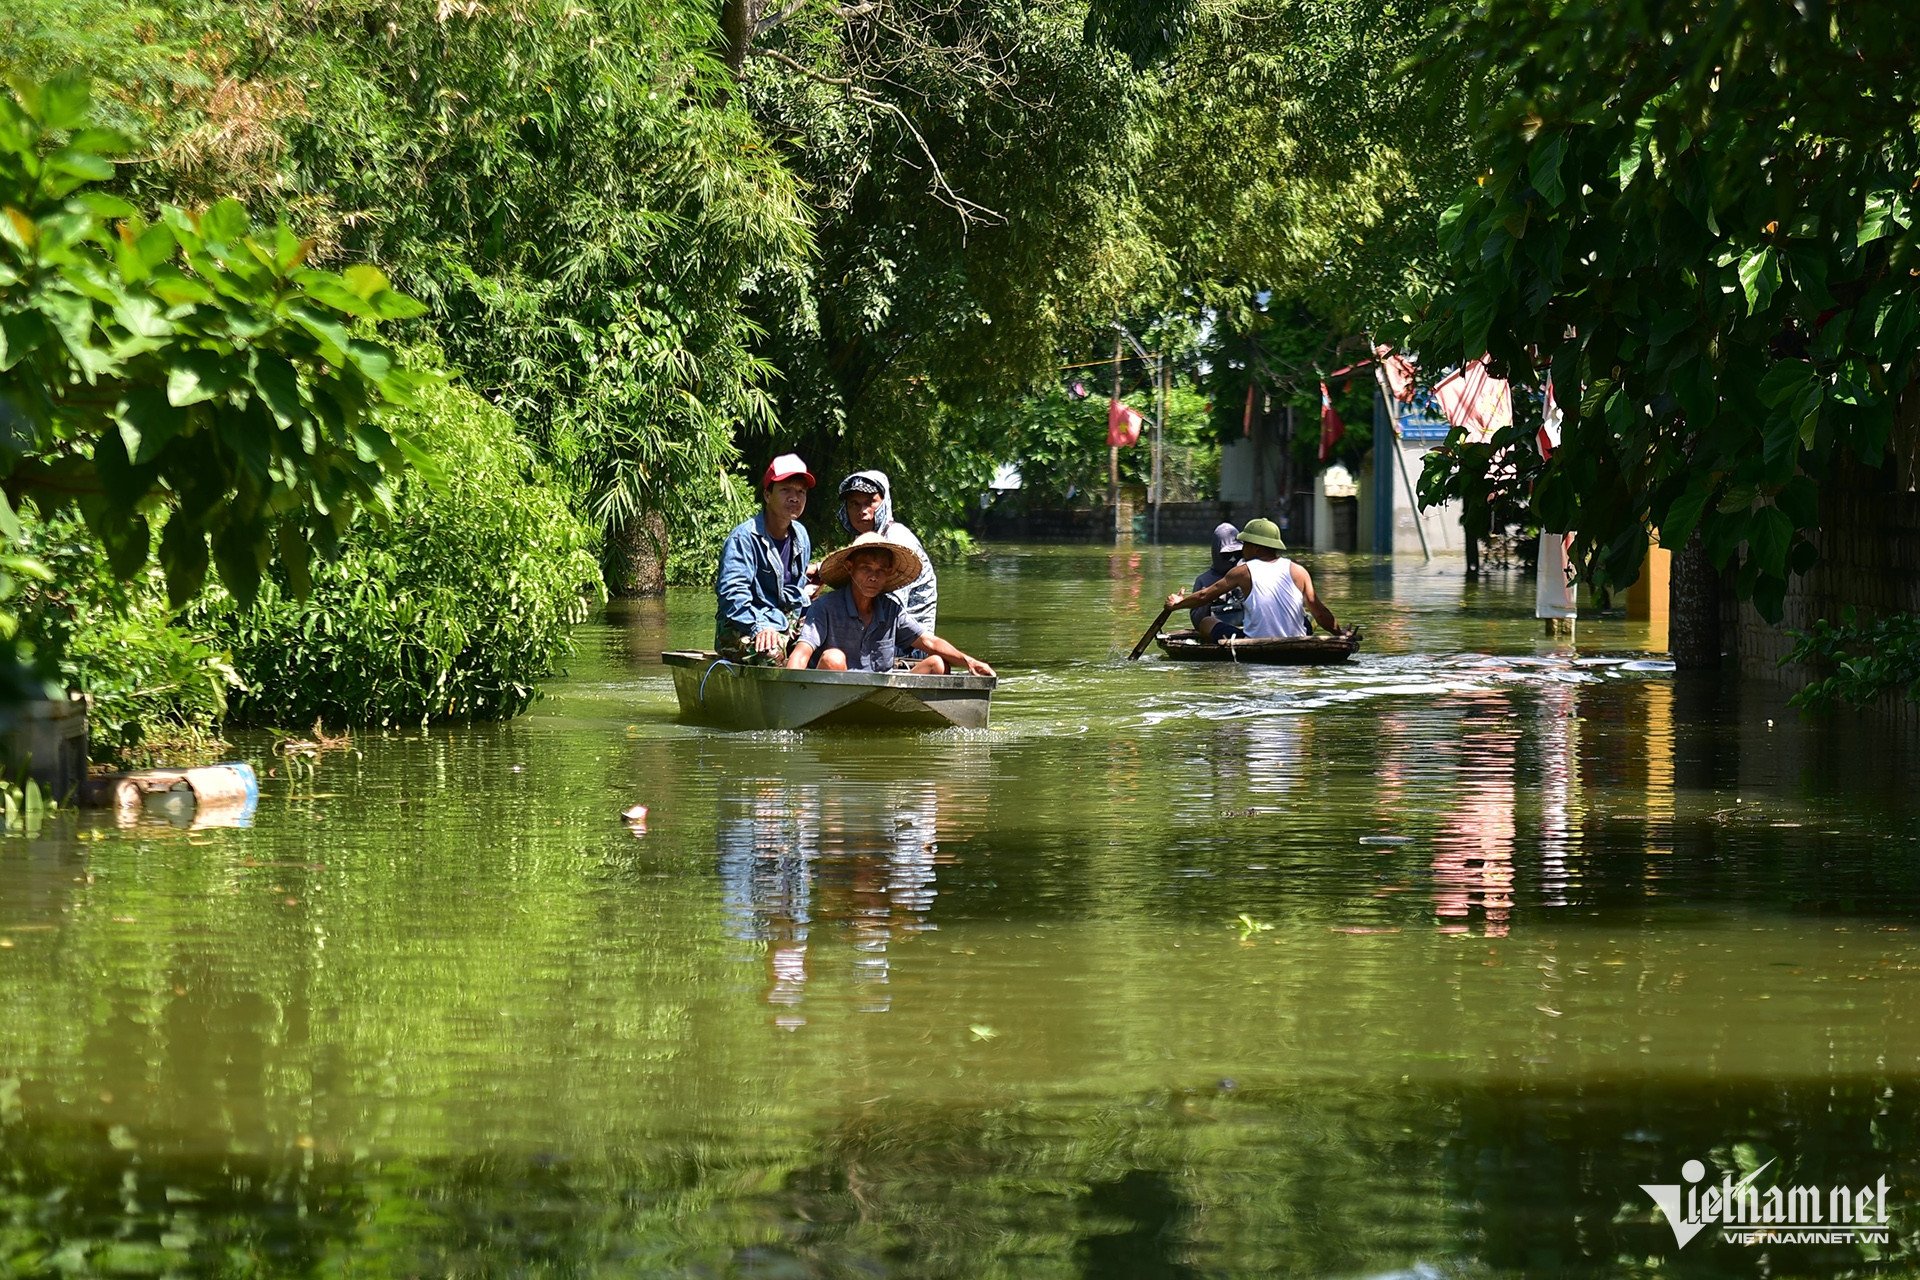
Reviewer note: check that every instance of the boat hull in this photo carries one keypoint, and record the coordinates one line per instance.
(1316, 650)
(719, 691)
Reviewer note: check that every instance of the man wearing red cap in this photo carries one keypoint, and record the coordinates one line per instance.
(762, 581)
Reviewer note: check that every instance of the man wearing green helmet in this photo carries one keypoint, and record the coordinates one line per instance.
(1279, 593)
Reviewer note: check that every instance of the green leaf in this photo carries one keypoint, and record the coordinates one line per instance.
(1799, 498)
(365, 281)
(296, 557)
(84, 165)
(196, 376)
(279, 385)
(183, 557)
(1545, 168)
(1884, 211)
(1785, 382)
(238, 551)
(65, 101)
(1684, 515)
(424, 464)
(225, 222)
(123, 535)
(102, 205)
(147, 421)
(1759, 277)
(1768, 534)
(333, 335)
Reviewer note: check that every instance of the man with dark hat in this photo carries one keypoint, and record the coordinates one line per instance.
(1221, 619)
(762, 579)
(866, 506)
(1278, 592)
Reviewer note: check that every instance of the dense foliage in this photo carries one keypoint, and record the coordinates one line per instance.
(1863, 661)
(453, 610)
(192, 362)
(159, 689)
(1710, 246)
(1058, 443)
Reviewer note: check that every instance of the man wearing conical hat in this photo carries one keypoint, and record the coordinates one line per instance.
(1279, 593)
(858, 626)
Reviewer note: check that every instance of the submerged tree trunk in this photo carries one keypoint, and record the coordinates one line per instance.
(636, 556)
(1694, 608)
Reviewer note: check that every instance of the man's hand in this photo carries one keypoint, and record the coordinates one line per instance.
(979, 668)
(769, 642)
(1173, 601)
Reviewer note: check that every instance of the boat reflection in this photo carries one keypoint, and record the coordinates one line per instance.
(829, 876)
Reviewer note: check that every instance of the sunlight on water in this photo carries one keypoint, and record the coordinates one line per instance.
(1417, 965)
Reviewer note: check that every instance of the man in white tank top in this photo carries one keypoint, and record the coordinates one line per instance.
(1279, 593)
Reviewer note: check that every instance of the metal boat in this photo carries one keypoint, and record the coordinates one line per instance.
(1185, 646)
(732, 694)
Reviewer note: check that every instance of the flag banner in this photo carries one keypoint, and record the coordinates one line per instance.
(1331, 428)
(1550, 420)
(1400, 374)
(1475, 401)
(1553, 582)
(1123, 425)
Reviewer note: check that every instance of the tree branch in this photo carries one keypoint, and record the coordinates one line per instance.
(969, 211)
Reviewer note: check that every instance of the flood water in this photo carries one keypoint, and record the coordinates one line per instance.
(1414, 967)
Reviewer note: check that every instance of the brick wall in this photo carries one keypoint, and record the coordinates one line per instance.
(1869, 541)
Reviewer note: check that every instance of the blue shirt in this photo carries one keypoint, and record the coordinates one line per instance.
(756, 587)
(832, 622)
(1230, 608)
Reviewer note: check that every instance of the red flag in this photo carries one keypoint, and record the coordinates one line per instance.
(1475, 401)
(1331, 428)
(1123, 425)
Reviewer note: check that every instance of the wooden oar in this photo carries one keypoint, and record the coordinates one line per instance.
(1152, 631)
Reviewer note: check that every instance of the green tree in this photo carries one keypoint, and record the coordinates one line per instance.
(1712, 249)
(576, 194)
(190, 365)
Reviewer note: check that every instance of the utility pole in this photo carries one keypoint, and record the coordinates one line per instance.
(1159, 446)
(1113, 450)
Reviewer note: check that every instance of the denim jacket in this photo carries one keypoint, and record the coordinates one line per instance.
(752, 596)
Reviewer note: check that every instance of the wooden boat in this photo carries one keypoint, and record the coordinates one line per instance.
(734, 695)
(1185, 646)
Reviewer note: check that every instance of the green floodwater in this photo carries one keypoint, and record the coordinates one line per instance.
(1414, 967)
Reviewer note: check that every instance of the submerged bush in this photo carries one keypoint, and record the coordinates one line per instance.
(451, 611)
(1867, 660)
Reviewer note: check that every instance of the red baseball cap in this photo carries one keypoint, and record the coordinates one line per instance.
(787, 466)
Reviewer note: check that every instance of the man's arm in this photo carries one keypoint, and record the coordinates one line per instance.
(1238, 576)
(1321, 614)
(802, 654)
(733, 584)
(933, 644)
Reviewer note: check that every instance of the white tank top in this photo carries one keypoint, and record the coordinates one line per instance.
(1275, 607)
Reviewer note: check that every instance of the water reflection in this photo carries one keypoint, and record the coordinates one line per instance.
(1473, 850)
(1539, 926)
(813, 848)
